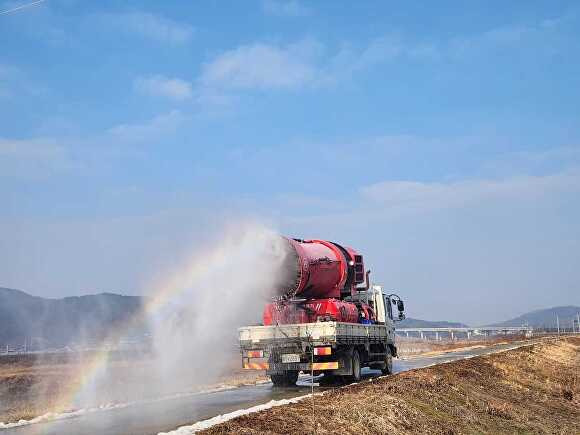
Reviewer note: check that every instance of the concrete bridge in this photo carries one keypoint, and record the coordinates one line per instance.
(468, 332)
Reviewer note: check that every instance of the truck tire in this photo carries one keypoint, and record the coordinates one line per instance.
(286, 379)
(355, 376)
(388, 362)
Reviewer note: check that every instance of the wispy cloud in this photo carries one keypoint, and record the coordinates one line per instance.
(265, 66)
(537, 38)
(305, 63)
(285, 8)
(150, 26)
(33, 158)
(149, 130)
(161, 86)
(311, 63)
(422, 196)
(41, 157)
(36, 148)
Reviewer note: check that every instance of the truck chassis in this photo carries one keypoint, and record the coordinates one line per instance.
(334, 348)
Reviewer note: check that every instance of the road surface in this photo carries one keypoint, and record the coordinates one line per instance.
(168, 414)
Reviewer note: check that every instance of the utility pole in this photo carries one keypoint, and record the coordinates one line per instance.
(558, 324)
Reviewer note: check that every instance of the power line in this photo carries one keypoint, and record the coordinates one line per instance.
(27, 5)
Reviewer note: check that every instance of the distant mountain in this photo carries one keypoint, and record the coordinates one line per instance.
(418, 323)
(545, 318)
(56, 322)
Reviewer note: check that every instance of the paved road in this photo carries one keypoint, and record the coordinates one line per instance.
(164, 415)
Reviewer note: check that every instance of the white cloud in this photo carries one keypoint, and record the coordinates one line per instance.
(285, 8)
(537, 39)
(264, 66)
(33, 158)
(388, 48)
(454, 249)
(34, 148)
(160, 86)
(420, 196)
(153, 129)
(306, 63)
(151, 26)
(41, 157)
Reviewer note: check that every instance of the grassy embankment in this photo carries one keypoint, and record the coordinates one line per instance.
(533, 389)
(410, 347)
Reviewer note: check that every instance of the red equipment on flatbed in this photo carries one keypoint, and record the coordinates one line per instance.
(317, 276)
(326, 317)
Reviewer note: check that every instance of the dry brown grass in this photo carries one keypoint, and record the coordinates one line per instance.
(533, 389)
(408, 347)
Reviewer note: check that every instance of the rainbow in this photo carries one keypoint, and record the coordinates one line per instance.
(174, 286)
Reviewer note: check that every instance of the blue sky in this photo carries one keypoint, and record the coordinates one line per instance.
(441, 140)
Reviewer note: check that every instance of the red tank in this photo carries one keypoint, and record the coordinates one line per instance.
(315, 276)
(319, 269)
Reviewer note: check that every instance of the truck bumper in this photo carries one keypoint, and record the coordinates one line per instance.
(256, 365)
(282, 367)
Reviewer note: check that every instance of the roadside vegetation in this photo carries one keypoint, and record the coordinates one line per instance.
(532, 389)
(410, 347)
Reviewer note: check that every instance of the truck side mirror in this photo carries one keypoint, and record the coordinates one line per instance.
(394, 299)
(400, 305)
(401, 308)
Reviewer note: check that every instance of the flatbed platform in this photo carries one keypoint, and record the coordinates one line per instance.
(319, 333)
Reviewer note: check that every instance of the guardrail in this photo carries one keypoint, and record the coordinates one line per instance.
(453, 332)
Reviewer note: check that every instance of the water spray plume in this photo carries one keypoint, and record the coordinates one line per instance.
(193, 313)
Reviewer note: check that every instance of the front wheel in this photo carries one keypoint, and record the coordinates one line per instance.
(286, 379)
(388, 369)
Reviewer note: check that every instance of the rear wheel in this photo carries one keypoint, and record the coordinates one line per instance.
(355, 376)
(388, 363)
(286, 379)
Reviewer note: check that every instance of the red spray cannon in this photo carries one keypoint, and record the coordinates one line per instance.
(320, 269)
(316, 277)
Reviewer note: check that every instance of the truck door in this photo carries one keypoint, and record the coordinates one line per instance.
(389, 307)
(379, 304)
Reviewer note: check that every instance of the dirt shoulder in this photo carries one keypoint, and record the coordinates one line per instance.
(532, 389)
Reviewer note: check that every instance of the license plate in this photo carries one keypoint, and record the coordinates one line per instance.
(290, 358)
